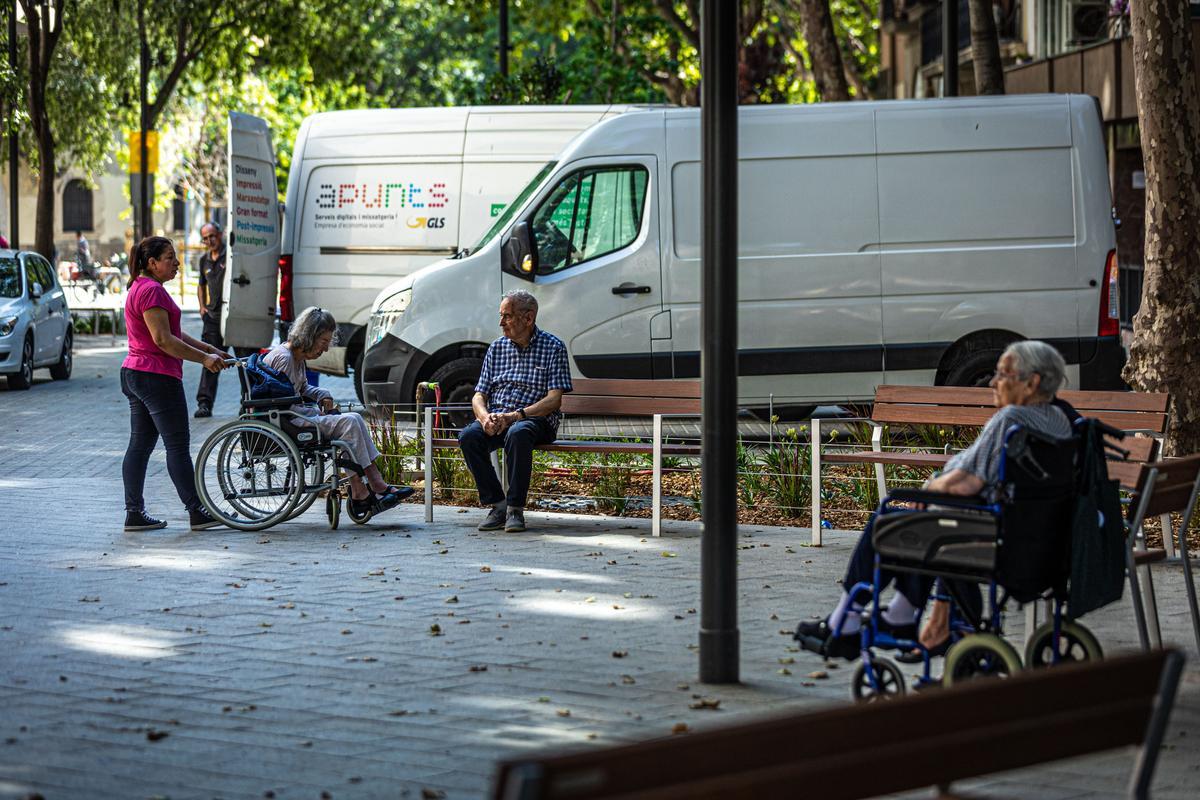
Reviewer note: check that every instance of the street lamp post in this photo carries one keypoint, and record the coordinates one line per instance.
(14, 210)
(719, 638)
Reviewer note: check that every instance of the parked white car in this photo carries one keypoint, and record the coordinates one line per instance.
(35, 323)
(879, 242)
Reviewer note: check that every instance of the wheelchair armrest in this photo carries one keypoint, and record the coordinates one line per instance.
(939, 498)
(273, 402)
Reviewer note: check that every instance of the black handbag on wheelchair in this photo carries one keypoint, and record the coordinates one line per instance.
(1097, 530)
(267, 383)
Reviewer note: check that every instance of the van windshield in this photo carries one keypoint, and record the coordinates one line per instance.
(10, 278)
(516, 204)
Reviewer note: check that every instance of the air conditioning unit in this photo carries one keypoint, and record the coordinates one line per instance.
(1086, 21)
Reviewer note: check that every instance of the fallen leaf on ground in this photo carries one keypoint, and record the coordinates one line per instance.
(452, 599)
(710, 703)
(668, 554)
(154, 735)
(628, 680)
(818, 675)
(478, 668)
(680, 727)
(485, 569)
(563, 712)
(435, 630)
(620, 653)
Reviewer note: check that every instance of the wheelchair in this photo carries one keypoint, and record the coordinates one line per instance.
(264, 468)
(1015, 539)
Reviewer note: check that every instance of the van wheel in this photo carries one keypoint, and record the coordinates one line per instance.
(974, 368)
(358, 376)
(458, 379)
(62, 370)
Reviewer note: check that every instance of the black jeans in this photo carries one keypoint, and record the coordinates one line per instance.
(913, 586)
(518, 442)
(206, 394)
(157, 407)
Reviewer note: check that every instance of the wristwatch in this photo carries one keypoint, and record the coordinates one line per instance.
(521, 411)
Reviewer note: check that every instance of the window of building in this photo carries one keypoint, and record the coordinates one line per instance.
(77, 207)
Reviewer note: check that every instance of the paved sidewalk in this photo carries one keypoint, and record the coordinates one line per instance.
(392, 660)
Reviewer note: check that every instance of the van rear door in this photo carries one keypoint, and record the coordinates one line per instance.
(251, 273)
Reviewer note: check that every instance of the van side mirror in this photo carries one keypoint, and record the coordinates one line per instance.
(517, 255)
(35, 290)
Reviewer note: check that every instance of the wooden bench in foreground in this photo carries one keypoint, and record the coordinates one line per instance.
(954, 405)
(927, 739)
(604, 397)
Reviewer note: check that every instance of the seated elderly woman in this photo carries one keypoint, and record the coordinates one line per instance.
(1028, 377)
(310, 336)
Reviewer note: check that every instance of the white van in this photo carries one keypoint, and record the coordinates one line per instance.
(373, 195)
(900, 241)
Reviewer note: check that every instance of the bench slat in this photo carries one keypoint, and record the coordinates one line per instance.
(573, 445)
(887, 457)
(635, 388)
(593, 405)
(1155, 402)
(965, 415)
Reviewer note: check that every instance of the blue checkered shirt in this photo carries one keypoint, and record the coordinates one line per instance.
(514, 378)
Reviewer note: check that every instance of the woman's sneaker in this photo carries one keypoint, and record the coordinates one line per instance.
(202, 520)
(141, 521)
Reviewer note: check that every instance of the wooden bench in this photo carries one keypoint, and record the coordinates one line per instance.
(867, 750)
(955, 406)
(603, 397)
(1160, 489)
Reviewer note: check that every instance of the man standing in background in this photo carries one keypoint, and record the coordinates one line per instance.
(212, 284)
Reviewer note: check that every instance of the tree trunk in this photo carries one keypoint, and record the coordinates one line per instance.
(985, 48)
(1165, 355)
(43, 27)
(817, 26)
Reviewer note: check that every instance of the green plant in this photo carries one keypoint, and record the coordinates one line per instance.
(752, 482)
(787, 470)
(612, 482)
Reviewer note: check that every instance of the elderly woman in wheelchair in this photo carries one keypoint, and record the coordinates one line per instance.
(999, 514)
(271, 463)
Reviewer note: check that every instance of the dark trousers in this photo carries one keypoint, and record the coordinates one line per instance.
(206, 394)
(157, 407)
(914, 587)
(518, 442)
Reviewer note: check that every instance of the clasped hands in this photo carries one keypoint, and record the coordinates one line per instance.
(496, 423)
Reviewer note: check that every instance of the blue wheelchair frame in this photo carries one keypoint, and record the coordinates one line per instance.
(992, 616)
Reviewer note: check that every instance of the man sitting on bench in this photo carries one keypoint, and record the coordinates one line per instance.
(525, 373)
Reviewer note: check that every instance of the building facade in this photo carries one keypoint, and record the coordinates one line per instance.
(1075, 46)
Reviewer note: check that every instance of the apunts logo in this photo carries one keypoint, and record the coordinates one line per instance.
(426, 222)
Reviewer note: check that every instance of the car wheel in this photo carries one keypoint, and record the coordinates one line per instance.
(457, 380)
(62, 370)
(23, 378)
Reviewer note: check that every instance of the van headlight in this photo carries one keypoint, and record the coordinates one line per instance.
(7, 325)
(390, 310)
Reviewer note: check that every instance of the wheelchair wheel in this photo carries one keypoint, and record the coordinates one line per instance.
(314, 476)
(1075, 643)
(980, 655)
(333, 509)
(889, 681)
(256, 471)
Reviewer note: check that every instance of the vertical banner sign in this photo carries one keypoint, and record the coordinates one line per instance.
(252, 266)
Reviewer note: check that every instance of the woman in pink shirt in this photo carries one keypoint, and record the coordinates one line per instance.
(152, 379)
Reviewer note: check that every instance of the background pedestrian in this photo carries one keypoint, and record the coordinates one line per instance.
(212, 285)
(152, 379)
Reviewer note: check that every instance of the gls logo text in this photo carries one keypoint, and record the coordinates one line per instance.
(426, 222)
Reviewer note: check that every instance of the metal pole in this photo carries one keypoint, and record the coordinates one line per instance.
(504, 38)
(719, 645)
(143, 199)
(949, 48)
(14, 209)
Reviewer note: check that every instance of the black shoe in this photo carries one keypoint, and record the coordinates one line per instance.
(360, 508)
(202, 520)
(817, 638)
(494, 520)
(402, 492)
(202, 412)
(141, 521)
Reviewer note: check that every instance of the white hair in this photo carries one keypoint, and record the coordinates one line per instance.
(1038, 358)
(523, 300)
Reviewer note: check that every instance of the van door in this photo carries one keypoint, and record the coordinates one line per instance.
(251, 273)
(598, 282)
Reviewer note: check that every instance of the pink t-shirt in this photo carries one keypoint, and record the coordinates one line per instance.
(144, 354)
